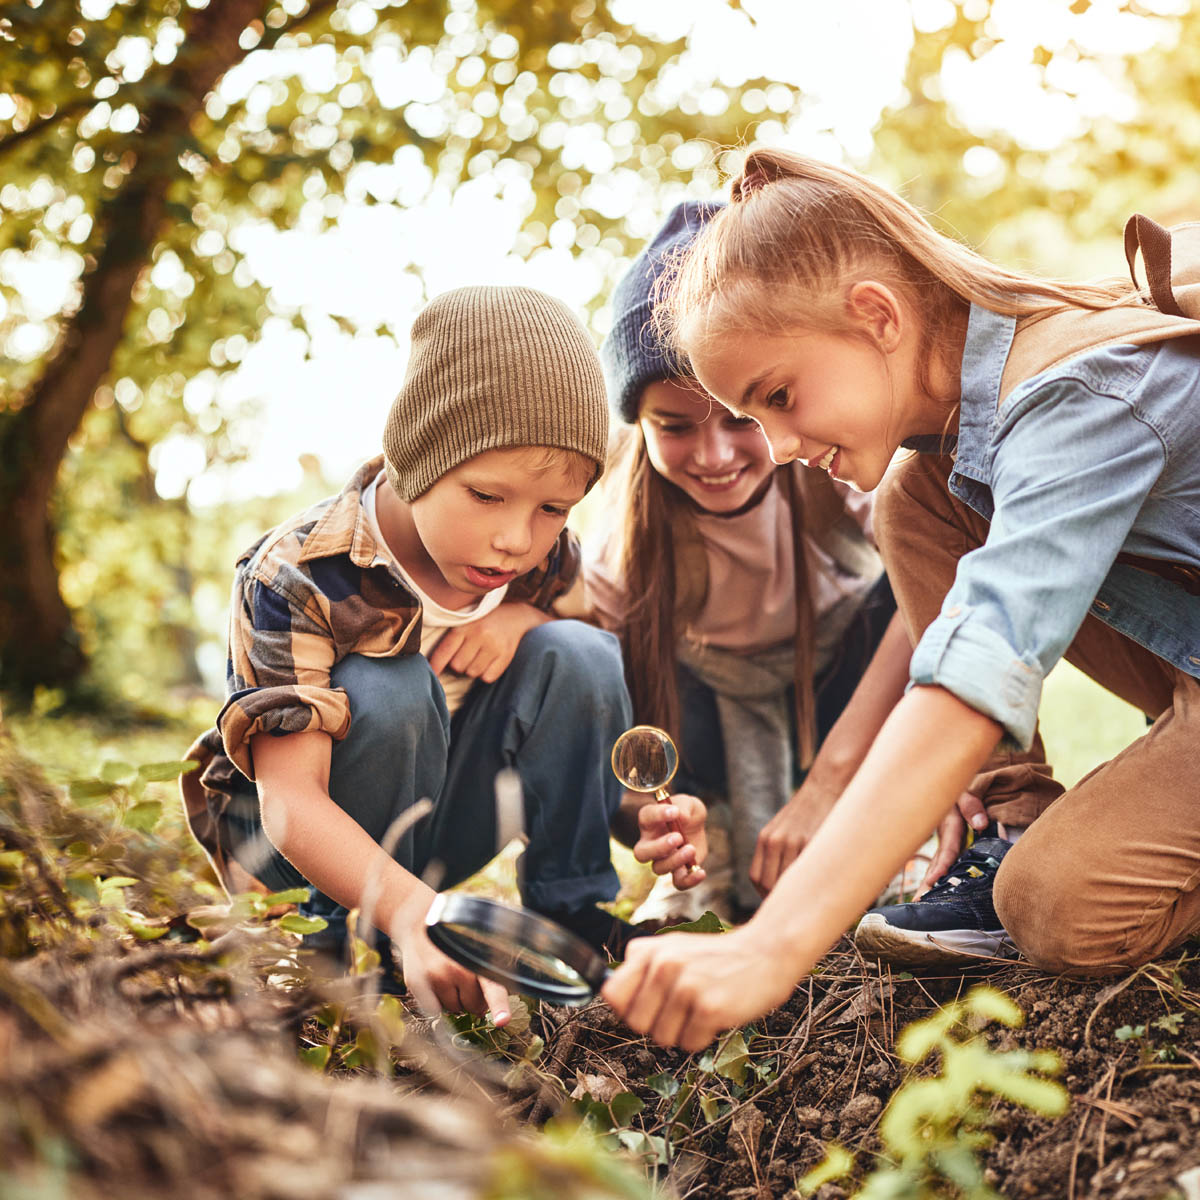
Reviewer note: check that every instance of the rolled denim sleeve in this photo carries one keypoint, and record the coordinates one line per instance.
(1071, 465)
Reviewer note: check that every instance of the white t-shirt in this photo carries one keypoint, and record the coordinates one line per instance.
(435, 619)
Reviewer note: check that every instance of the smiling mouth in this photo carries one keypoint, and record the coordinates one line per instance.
(826, 459)
(720, 480)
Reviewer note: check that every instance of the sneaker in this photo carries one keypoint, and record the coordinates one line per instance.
(954, 922)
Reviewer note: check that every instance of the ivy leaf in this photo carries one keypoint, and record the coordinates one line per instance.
(732, 1058)
(665, 1084)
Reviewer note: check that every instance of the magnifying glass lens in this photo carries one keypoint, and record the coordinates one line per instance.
(520, 949)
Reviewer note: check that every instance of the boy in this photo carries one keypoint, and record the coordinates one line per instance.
(396, 642)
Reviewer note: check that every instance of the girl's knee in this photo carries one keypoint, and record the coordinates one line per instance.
(1058, 920)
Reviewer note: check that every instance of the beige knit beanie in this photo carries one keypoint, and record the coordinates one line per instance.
(493, 368)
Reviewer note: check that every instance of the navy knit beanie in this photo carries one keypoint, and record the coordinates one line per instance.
(633, 354)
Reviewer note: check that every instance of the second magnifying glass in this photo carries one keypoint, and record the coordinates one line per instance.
(644, 759)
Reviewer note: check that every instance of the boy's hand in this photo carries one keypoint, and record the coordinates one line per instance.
(672, 839)
(439, 984)
(483, 649)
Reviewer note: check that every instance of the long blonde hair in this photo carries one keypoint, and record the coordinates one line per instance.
(798, 232)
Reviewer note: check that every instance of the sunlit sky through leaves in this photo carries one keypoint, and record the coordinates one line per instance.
(402, 237)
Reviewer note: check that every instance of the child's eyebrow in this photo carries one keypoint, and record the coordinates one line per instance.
(752, 387)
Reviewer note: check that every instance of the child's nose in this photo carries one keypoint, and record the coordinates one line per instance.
(785, 448)
(714, 448)
(513, 538)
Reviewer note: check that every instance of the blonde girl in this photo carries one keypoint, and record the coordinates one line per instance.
(1061, 517)
(748, 597)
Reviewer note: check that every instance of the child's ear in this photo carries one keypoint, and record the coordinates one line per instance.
(876, 309)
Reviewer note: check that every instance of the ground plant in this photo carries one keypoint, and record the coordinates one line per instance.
(156, 1038)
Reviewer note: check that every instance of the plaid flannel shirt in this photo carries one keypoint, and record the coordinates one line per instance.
(307, 594)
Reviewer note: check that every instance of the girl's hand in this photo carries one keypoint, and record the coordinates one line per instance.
(439, 984)
(681, 989)
(952, 837)
(483, 649)
(671, 838)
(789, 831)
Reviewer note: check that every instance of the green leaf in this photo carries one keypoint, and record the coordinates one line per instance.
(625, 1106)
(389, 1012)
(291, 896)
(146, 933)
(315, 1056)
(732, 1058)
(707, 922)
(837, 1164)
(295, 923)
(144, 816)
(86, 792)
(161, 772)
(116, 772)
(84, 886)
(665, 1084)
(710, 1108)
(1128, 1032)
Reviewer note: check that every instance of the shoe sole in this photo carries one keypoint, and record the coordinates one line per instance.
(876, 938)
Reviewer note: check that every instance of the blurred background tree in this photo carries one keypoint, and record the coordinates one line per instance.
(140, 139)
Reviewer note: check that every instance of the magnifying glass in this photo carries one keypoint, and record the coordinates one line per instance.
(644, 759)
(526, 952)
(529, 953)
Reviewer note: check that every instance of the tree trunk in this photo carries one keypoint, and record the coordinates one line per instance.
(37, 641)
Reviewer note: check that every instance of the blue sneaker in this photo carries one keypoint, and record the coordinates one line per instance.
(953, 923)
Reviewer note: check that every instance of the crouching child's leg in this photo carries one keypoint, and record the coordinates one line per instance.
(552, 717)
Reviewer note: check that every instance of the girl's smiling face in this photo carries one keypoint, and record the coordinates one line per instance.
(841, 401)
(717, 459)
(823, 398)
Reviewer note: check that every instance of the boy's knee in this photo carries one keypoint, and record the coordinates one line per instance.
(390, 697)
(1053, 914)
(577, 649)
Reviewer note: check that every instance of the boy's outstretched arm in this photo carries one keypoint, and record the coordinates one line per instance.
(683, 988)
(334, 853)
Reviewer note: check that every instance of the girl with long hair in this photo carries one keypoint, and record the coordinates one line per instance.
(1050, 510)
(749, 597)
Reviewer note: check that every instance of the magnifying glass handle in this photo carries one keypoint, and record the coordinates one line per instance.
(664, 797)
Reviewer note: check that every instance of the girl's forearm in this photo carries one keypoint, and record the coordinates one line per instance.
(925, 754)
(878, 692)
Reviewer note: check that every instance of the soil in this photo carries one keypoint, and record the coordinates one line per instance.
(1129, 1047)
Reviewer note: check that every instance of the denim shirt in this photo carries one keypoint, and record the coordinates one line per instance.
(1098, 455)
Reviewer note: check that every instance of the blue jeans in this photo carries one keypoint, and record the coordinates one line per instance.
(552, 717)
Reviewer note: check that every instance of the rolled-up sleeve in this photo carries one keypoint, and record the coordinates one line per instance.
(281, 653)
(1071, 467)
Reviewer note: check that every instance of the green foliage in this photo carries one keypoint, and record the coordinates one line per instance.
(324, 106)
(933, 1126)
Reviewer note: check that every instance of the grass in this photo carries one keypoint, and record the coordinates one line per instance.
(1082, 725)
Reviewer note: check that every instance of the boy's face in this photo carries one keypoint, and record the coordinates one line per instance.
(718, 460)
(495, 516)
